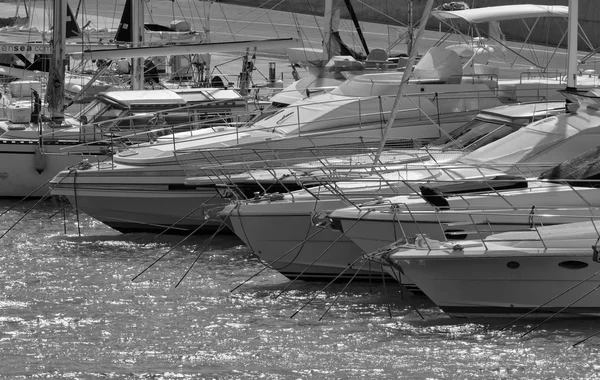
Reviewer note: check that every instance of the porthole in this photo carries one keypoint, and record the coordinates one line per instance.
(573, 264)
(513, 265)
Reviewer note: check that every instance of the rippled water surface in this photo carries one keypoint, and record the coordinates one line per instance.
(69, 309)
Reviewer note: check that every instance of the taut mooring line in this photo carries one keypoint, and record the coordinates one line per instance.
(326, 286)
(550, 300)
(24, 198)
(205, 245)
(561, 310)
(586, 339)
(403, 288)
(59, 210)
(343, 234)
(341, 291)
(387, 296)
(43, 198)
(279, 258)
(177, 221)
(64, 212)
(29, 195)
(170, 250)
(76, 200)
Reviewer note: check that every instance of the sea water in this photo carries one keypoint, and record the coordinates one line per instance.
(72, 307)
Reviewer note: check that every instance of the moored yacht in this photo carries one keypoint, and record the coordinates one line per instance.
(439, 98)
(290, 233)
(504, 164)
(33, 152)
(348, 116)
(549, 271)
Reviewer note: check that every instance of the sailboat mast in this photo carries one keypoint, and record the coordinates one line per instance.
(137, 35)
(207, 29)
(409, 43)
(572, 46)
(55, 88)
(327, 28)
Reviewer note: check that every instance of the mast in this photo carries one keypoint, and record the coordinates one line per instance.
(572, 45)
(207, 28)
(137, 35)
(55, 88)
(405, 77)
(332, 21)
(409, 43)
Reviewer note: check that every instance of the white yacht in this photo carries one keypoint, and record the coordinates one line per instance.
(32, 153)
(34, 148)
(551, 271)
(439, 98)
(354, 113)
(525, 153)
(289, 231)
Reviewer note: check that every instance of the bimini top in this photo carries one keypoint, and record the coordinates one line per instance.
(169, 98)
(503, 12)
(133, 98)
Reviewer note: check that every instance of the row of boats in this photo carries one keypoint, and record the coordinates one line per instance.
(487, 208)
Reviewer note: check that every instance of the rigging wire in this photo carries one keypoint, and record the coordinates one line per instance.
(314, 14)
(112, 25)
(382, 13)
(226, 22)
(199, 16)
(301, 32)
(181, 11)
(268, 10)
(149, 10)
(273, 25)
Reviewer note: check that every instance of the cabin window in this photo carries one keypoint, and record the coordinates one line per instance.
(512, 265)
(455, 234)
(91, 110)
(473, 135)
(573, 264)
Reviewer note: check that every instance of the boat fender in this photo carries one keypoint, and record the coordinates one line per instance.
(39, 159)
(531, 217)
(595, 253)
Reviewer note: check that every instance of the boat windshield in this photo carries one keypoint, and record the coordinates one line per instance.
(98, 110)
(474, 135)
(263, 115)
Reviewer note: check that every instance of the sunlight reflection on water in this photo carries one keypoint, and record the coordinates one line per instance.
(69, 309)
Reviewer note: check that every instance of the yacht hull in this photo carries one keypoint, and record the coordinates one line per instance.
(104, 185)
(284, 236)
(22, 174)
(158, 204)
(135, 211)
(508, 283)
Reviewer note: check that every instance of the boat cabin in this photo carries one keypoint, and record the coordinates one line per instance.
(138, 108)
(133, 114)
